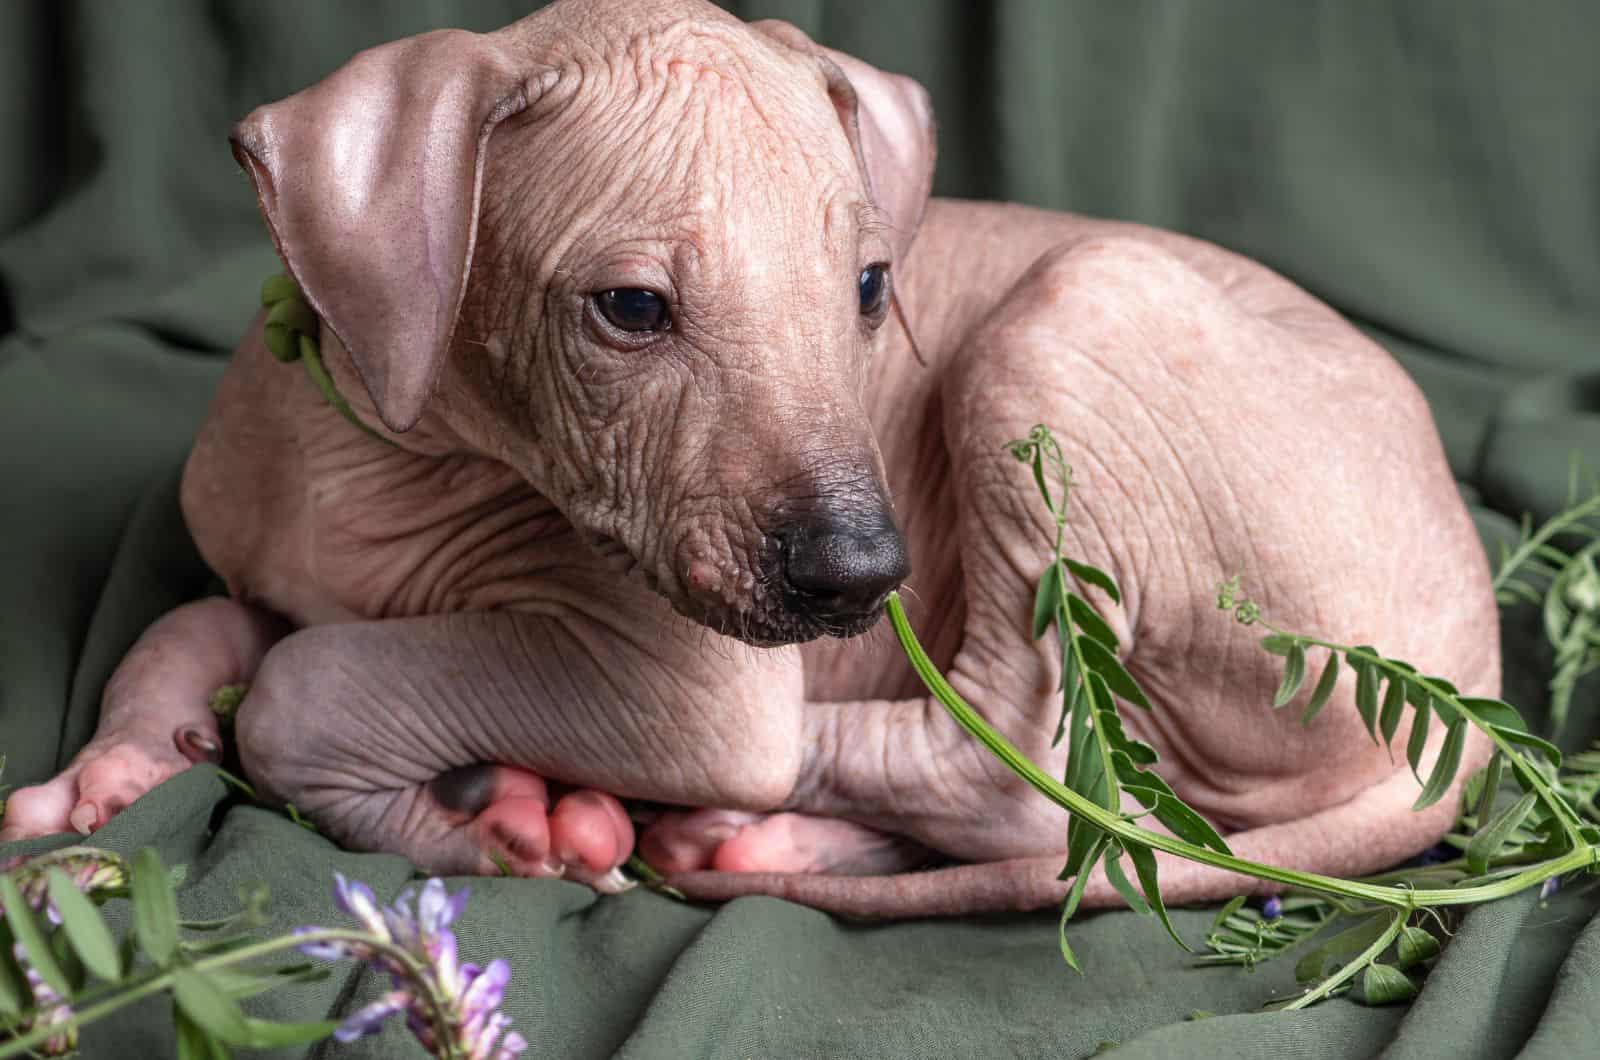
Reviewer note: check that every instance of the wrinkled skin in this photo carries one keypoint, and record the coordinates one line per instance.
(572, 577)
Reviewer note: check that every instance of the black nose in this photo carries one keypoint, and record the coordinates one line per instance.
(842, 572)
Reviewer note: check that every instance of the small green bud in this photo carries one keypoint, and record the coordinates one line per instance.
(226, 700)
(1247, 613)
(1583, 592)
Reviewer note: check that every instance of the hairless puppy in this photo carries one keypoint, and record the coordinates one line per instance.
(616, 289)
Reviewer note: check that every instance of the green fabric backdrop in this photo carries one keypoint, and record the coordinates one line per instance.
(1430, 168)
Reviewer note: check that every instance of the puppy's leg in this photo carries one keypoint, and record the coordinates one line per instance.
(155, 718)
(435, 737)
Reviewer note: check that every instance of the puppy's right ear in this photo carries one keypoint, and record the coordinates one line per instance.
(369, 182)
(889, 119)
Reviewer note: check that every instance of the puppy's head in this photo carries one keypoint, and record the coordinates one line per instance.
(643, 253)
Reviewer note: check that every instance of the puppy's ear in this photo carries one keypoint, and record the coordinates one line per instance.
(889, 119)
(369, 182)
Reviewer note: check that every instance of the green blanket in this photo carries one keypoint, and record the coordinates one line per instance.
(1429, 168)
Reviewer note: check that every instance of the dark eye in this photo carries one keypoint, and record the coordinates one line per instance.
(874, 287)
(632, 309)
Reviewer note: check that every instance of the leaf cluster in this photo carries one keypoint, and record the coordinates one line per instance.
(92, 973)
(1524, 811)
(1556, 567)
(1523, 820)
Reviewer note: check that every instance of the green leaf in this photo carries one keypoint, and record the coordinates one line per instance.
(1188, 825)
(1492, 836)
(1119, 881)
(1159, 798)
(1089, 620)
(84, 928)
(1345, 944)
(209, 1007)
(1496, 712)
(1527, 739)
(239, 984)
(1144, 866)
(1102, 662)
(1419, 738)
(1046, 599)
(1394, 704)
(1233, 906)
(1324, 690)
(1074, 896)
(1094, 576)
(1278, 643)
(1492, 775)
(1383, 984)
(277, 288)
(1444, 770)
(194, 1043)
(69, 961)
(155, 907)
(1038, 478)
(1083, 762)
(1368, 678)
(264, 1034)
(31, 937)
(1415, 946)
(1294, 673)
(14, 992)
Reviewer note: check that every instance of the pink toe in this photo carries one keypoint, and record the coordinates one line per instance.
(40, 810)
(512, 783)
(590, 832)
(519, 830)
(686, 842)
(765, 847)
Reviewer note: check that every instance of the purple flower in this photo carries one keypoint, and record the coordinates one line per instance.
(1272, 908)
(485, 990)
(91, 871)
(49, 1009)
(368, 1019)
(1549, 887)
(329, 949)
(357, 899)
(1438, 854)
(451, 1007)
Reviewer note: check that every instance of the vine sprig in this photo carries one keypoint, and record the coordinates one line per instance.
(60, 967)
(1550, 569)
(1537, 839)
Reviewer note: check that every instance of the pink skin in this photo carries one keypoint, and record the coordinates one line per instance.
(535, 582)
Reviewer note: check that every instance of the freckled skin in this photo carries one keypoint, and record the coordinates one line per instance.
(559, 569)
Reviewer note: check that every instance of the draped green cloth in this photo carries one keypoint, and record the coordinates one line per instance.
(1428, 168)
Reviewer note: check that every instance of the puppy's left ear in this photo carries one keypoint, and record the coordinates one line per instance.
(889, 119)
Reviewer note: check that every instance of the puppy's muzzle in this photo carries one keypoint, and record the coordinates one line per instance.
(837, 573)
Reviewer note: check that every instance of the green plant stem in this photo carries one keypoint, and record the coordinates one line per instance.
(1114, 823)
(162, 980)
(1520, 555)
(1366, 957)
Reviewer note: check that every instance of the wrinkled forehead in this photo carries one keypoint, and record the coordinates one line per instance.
(722, 120)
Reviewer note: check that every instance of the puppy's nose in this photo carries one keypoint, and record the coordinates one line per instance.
(842, 571)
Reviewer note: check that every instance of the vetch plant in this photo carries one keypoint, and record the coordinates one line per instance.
(1347, 927)
(1570, 603)
(61, 968)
